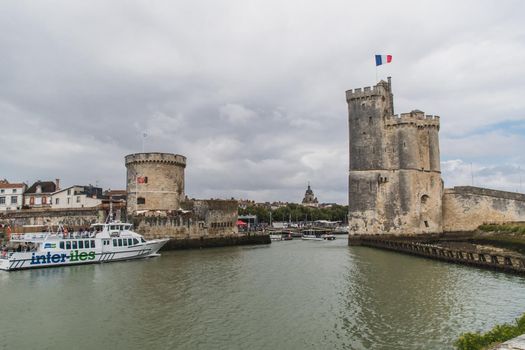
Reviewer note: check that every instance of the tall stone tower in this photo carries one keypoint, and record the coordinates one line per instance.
(155, 181)
(394, 183)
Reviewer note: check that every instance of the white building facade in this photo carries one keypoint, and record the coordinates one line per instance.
(11, 195)
(76, 197)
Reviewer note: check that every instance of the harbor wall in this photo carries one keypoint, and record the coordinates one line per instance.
(72, 217)
(214, 242)
(465, 208)
(429, 247)
(197, 224)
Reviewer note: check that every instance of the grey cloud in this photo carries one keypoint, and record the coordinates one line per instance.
(252, 93)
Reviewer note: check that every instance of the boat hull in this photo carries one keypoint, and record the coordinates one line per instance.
(29, 260)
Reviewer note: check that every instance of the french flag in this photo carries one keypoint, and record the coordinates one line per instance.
(383, 59)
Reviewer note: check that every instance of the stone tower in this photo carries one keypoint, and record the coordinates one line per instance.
(394, 183)
(155, 181)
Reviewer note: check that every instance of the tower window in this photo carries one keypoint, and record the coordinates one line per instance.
(141, 200)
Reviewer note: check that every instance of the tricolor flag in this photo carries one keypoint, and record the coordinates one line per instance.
(383, 59)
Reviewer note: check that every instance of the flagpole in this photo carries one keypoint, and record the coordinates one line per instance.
(143, 138)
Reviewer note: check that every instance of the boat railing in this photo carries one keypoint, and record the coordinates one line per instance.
(29, 236)
(5, 255)
(22, 237)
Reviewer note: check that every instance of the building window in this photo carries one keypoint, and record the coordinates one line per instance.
(68, 200)
(68, 192)
(2, 191)
(14, 200)
(57, 200)
(78, 199)
(141, 200)
(2, 200)
(44, 200)
(32, 201)
(14, 190)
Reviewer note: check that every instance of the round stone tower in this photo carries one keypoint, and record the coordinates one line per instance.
(155, 181)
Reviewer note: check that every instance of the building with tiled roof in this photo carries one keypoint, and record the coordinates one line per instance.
(39, 195)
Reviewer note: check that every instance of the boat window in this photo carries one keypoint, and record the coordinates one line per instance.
(80, 244)
(114, 243)
(120, 242)
(74, 244)
(135, 241)
(86, 244)
(142, 240)
(125, 242)
(130, 241)
(68, 244)
(61, 245)
(112, 227)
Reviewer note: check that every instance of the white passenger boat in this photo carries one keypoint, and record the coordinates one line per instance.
(317, 236)
(311, 237)
(107, 242)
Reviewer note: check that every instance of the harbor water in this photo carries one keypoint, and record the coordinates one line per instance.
(287, 295)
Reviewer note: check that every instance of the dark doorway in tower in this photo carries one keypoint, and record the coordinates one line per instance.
(424, 209)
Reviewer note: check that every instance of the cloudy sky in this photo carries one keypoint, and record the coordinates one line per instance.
(252, 92)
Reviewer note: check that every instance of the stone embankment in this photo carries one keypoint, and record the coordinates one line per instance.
(513, 344)
(214, 242)
(436, 247)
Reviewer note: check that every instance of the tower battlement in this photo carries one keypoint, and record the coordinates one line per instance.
(394, 180)
(382, 88)
(415, 118)
(156, 157)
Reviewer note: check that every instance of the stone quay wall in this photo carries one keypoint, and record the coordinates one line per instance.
(198, 224)
(427, 248)
(466, 207)
(72, 217)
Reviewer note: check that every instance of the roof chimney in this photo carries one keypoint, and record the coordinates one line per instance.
(57, 181)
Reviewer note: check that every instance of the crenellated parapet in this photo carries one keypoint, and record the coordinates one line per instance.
(415, 118)
(156, 157)
(380, 89)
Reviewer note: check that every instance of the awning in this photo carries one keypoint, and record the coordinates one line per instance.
(241, 223)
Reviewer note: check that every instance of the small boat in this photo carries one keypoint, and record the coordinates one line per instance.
(328, 237)
(317, 235)
(276, 237)
(311, 237)
(113, 241)
(286, 236)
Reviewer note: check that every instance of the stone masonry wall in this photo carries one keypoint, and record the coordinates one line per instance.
(394, 181)
(155, 181)
(465, 208)
(73, 218)
(198, 219)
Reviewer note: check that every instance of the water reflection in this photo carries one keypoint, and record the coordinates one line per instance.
(290, 295)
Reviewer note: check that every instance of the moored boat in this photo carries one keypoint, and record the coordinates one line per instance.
(113, 241)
